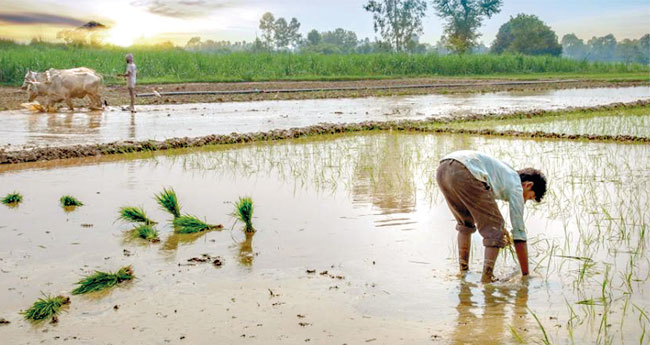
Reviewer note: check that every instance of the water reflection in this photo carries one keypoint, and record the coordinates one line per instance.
(383, 176)
(246, 253)
(490, 314)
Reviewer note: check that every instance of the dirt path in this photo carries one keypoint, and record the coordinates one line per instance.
(12, 97)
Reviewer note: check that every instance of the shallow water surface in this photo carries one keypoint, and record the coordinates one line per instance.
(365, 209)
(22, 129)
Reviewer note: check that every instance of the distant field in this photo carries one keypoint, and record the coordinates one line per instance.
(173, 66)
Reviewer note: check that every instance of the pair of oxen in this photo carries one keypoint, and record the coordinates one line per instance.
(55, 85)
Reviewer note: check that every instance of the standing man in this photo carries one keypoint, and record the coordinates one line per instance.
(130, 78)
(470, 182)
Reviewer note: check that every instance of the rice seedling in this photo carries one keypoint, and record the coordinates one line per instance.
(244, 213)
(134, 215)
(545, 340)
(102, 280)
(168, 201)
(45, 308)
(12, 199)
(70, 201)
(188, 224)
(146, 232)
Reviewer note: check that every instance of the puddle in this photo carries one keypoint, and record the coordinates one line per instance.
(22, 129)
(365, 209)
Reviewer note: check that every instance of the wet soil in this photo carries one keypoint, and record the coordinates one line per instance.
(77, 151)
(355, 245)
(12, 97)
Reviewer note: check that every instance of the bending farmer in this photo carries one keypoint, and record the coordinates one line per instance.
(470, 182)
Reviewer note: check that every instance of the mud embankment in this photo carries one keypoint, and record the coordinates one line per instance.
(428, 126)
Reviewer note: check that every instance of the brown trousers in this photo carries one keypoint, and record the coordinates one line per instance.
(472, 203)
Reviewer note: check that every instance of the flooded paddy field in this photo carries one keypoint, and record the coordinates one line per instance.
(612, 122)
(363, 213)
(22, 129)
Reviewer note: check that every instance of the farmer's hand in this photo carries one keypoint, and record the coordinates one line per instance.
(506, 236)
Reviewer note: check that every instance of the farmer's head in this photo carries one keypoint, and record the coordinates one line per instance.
(129, 58)
(533, 182)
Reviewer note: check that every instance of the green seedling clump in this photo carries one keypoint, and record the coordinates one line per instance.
(103, 280)
(244, 213)
(135, 215)
(45, 308)
(169, 202)
(187, 224)
(146, 232)
(68, 201)
(12, 198)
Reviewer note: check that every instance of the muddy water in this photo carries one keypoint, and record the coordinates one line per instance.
(24, 129)
(363, 208)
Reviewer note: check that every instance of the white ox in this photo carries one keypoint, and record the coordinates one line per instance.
(64, 85)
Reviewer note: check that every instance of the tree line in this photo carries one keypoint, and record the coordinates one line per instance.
(399, 25)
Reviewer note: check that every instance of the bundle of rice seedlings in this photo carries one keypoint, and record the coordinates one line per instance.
(70, 201)
(134, 215)
(12, 198)
(168, 201)
(146, 232)
(244, 213)
(103, 280)
(188, 224)
(45, 308)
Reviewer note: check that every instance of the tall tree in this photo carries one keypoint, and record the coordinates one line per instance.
(344, 39)
(602, 48)
(267, 25)
(314, 37)
(463, 18)
(526, 34)
(397, 20)
(281, 33)
(573, 47)
(292, 33)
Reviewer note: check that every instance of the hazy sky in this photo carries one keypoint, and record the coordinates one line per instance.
(235, 20)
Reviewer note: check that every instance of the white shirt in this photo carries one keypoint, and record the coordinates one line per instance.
(130, 80)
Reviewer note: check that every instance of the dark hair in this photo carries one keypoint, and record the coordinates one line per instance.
(537, 178)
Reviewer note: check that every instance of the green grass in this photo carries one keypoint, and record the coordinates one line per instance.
(244, 213)
(169, 202)
(12, 198)
(177, 65)
(188, 224)
(45, 308)
(102, 280)
(69, 201)
(146, 232)
(135, 215)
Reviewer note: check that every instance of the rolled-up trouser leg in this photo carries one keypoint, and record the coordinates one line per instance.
(448, 183)
(471, 201)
